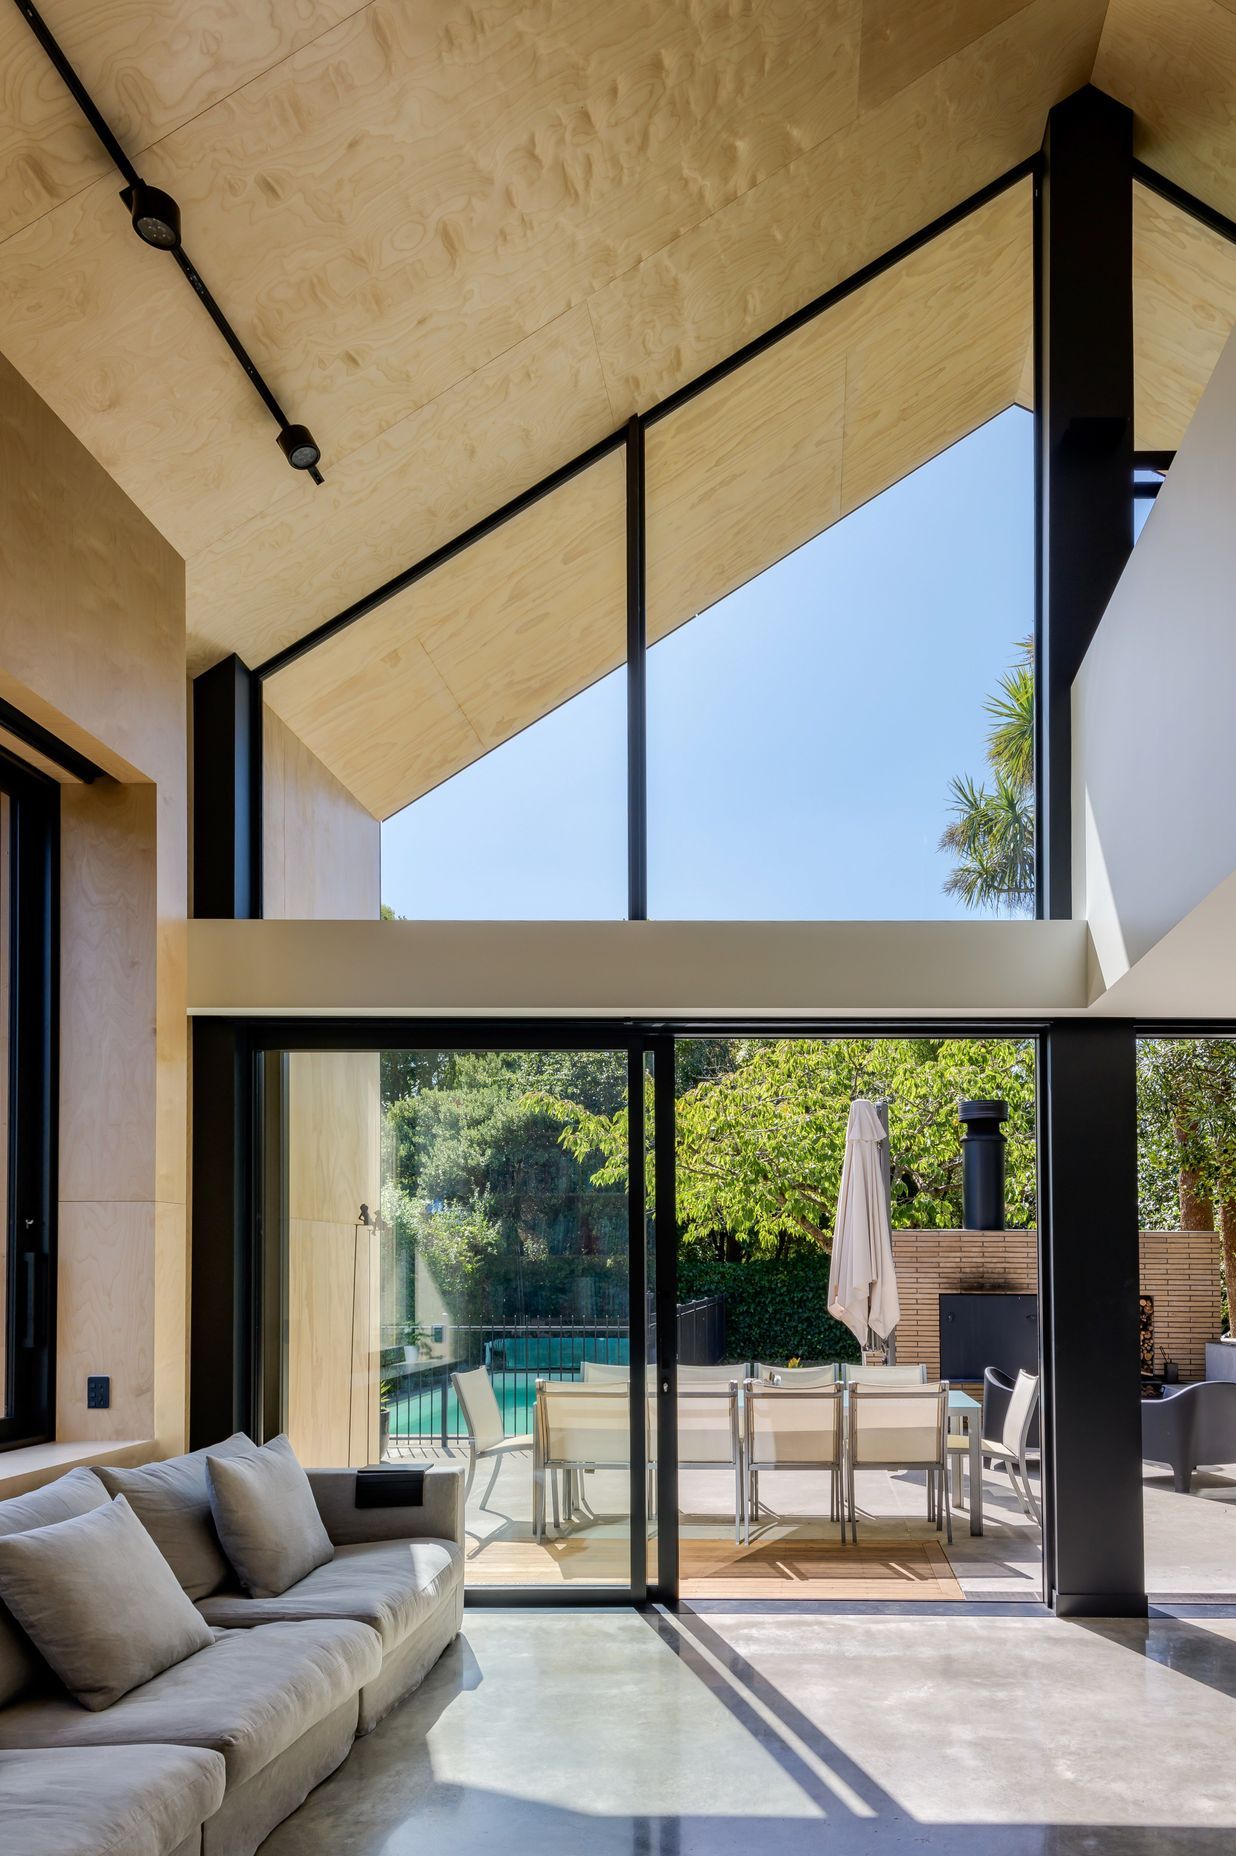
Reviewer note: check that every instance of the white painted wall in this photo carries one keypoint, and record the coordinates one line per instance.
(1154, 708)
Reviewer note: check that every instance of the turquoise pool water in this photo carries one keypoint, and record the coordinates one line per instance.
(420, 1415)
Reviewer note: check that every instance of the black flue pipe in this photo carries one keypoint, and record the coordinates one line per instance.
(982, 1164)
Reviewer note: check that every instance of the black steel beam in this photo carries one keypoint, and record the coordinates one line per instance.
(1187, 202)
(1089, 1299)
(224, 785)
(1084, 400)
(32, 734)
(224, 1332)
(637, 681)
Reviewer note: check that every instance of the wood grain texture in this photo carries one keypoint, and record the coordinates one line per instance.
(333, 1135)
(93, 647)
(743, 474)
(321, 849)
(105, 1297)
(108, 962)
(1184, 307)
(149, 64)
(413, 212)
(1175, 66)
(838, 206)
(405, 198)
(938, 345)
(423, 481)
(902, 42)
(94, 622)
(461, 661)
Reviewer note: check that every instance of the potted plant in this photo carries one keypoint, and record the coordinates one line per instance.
(412, 1337)
(387, 1390)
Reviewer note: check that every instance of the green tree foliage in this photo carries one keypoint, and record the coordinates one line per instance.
(991, 832)
(478, 1182)
(1186, 1109)
(761, 1134)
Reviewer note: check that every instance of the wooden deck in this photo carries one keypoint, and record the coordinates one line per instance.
(874, 1569)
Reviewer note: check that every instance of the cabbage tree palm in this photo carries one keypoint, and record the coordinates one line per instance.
(991, 832)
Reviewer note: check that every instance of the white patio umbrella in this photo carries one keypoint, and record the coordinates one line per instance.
(862, 1282)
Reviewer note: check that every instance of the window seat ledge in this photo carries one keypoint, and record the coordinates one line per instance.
(34, 1464)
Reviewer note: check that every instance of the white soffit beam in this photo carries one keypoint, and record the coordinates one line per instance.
(638, 969)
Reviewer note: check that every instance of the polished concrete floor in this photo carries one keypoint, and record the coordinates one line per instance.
(797, 1733)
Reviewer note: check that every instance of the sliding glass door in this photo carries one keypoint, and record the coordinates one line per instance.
(460, 1279)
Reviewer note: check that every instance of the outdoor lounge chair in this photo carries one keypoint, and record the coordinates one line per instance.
(483, 1418)
(798, 1376)
(1011, 1448)
(797, 1427)
(1191, 1425)
(900, 1427)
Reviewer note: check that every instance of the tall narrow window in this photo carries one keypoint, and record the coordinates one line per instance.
(28, 815)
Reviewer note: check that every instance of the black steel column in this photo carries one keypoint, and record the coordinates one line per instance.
(637, 1320)
(221, 1345)
(226, 775)
(1088, 1264)
(1084, 396)
(637, 684)
(665, 1225)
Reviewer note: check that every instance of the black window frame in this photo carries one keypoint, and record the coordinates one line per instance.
(28, 1413)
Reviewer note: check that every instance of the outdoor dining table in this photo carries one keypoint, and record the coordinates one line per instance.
(964, 1416)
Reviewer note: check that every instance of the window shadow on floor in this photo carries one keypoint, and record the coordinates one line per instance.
(1184, 1647)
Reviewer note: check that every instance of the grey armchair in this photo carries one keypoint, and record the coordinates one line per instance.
(1194, 1424)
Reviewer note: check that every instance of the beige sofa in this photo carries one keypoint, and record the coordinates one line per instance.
(264, 1713)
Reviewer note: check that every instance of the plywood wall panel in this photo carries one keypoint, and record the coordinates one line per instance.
(93, 646)
(333, 1338)
(108, 993)
(105, 1293)
(333, 1134)
(1184, 308)
(321, 849)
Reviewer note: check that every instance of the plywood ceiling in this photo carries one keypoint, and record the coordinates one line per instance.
(463, 242)
(736, 478)
(1184, 308)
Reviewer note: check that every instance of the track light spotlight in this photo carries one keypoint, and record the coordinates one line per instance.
(156, 216)
(298, 447)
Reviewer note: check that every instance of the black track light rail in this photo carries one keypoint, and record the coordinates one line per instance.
(116, 154)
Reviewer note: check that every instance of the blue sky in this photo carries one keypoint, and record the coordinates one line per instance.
(802, 733)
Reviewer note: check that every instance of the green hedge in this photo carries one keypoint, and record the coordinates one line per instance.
(774, 1311)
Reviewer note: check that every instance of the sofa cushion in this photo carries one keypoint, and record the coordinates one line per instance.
(249, 1696)
(99, 1602)
(388, 1584)
(172, 1501)
(76, 1493)
(107, 1801)
(267, 1518)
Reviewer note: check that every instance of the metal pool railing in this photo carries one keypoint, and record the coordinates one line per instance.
(422, 1402)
